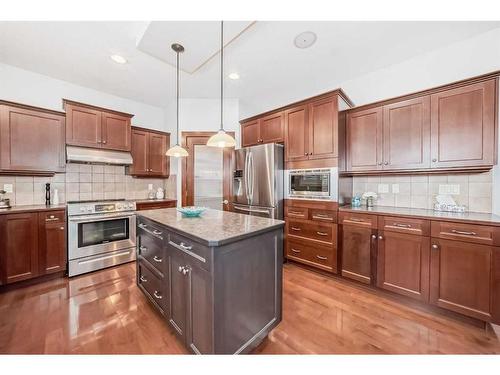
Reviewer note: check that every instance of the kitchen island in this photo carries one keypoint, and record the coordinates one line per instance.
(216, 279)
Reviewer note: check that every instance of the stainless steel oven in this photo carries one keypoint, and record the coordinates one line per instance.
(100, 234)
(318, 183)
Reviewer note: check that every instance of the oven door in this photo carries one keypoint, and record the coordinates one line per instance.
(92, 235)
(309, 185)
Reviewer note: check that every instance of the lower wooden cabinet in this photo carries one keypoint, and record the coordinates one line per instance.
(403, 264)
(52, 245)
(359, 247)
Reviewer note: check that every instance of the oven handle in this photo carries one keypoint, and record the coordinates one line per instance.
(88, 219)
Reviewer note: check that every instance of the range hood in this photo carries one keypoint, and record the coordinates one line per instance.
(75, 154)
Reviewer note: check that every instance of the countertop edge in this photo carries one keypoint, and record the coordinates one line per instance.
(31, 208)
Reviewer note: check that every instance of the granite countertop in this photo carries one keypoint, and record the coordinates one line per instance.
(213, 227)
(31, 208)
(473, 217)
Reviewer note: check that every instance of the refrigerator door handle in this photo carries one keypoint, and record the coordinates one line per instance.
(251, 209)
(251, 173)
(246, 175)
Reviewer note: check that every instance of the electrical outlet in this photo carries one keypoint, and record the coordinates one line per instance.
(395, 188)
(383, 188)
(8, 188)
(150, 186)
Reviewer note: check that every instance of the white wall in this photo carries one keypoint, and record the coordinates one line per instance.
(23, 86)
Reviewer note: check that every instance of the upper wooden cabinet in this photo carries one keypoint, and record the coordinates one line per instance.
(267, 129)
(31, 140)
(449, 128)
(297, 133)
(95, 127)
(148, 152)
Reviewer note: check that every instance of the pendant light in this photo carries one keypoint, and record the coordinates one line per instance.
(177, 151)
(221, 139)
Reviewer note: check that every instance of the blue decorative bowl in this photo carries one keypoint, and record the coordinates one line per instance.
(191, 211)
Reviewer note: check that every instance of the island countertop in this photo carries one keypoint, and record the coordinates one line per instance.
(213, 227)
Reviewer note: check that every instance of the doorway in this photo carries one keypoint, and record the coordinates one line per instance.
(206, 172)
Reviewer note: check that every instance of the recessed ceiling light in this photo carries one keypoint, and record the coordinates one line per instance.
(305, 39)
(234, 75)
(118, 59)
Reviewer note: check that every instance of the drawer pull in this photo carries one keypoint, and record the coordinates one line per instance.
(463, 232)
(322, 233)
(158, 260)
(295, 251)
(356, 219)
(61, 228)
(143, 279)
(142, 225)
(143, 248)
(296, 213)
(321, 257)
(435, 247)
(157, 296)
(401, 225)
(52, 218)
(185, 247)
(296, 229)
(157, 232)
(320, 216)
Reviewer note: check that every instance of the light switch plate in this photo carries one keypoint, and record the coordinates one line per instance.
(8, 188)
(395, 188)
(150, 186)
(383, 188)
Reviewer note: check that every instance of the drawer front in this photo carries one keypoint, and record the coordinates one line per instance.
(404, 225)
(153, 285)
(296, 212)
(323, 215)
(312, 230)
(53, 216)
(198, 253)
(361, 220)
(318, 256)
(152, 250)
(474, 233)
(151, 228)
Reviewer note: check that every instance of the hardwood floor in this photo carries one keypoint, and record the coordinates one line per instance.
(105, 313)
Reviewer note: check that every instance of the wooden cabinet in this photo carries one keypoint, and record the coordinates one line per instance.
(463, 126)
(250, 133)
(267, 129)
(32, 140)
(52, 252)
(297, 133)
(359, 247)
(323, 129)
(148, 153)
(96, 127)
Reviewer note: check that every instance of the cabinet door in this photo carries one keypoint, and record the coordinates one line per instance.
(272, 128)
(158, 161)
(461, 277)
(52, 246)
(403, 264)
(358, 253)
(83, 126)
(323, 129)
(364, 140)
(140, 143)
(31, 140)
(463, 126)
(297, 133)
(178, 288)
(407, 132)
(18, 247)
(115, 132)
(250, 133)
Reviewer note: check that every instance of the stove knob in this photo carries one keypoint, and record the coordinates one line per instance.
(82, 209)
(89, 208)
(119, 206)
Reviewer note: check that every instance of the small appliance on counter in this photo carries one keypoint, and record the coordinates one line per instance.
(446, 203)
(370, 198)
(160, 193)
(4, 202)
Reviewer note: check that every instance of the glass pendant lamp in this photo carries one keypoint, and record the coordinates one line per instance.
(177, 151)
(221, 139)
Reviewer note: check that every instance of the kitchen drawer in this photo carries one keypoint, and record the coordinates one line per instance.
(152, 284)
(404, 225)
(53, 216)
(323, 257)
(198, 253)
(474, 233)
(323, 215)
(297, 212)
(153, 229)
(360, 220)
(312, 230)
(152, 250)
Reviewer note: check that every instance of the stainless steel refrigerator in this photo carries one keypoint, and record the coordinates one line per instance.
(258, 181)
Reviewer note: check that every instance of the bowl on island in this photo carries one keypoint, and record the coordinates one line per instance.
(191, 211)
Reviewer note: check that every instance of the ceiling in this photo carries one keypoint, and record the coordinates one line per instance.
(263, 53)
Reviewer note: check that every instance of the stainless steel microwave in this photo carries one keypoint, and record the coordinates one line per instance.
(318, 183)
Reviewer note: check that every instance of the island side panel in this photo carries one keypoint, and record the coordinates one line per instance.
(247, 291)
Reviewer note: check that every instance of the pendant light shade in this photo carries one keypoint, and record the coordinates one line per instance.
(177, 151)
(221, 139)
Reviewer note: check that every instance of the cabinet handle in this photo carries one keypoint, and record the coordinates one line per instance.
(158, 260)
(143, 248)
(401, 225)
(157, 232)
(380, 163)
(185, 247)
(157, 296)
(322, 233)
(181, 268)
(305, 154)
(52, 219)
(185, 270)
(143, 279)
(380, 237)
(321, 216)
(142, 225)
(321, 258)
(295, 251)
(374, 237)
(296, 229)
(464, 233)
(434, 160)
(356, 219)
(295, 213)
(61, 228)
(435, 247)
(386, 163)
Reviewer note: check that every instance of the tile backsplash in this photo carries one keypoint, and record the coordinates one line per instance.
(85, 182)
(419, 191)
